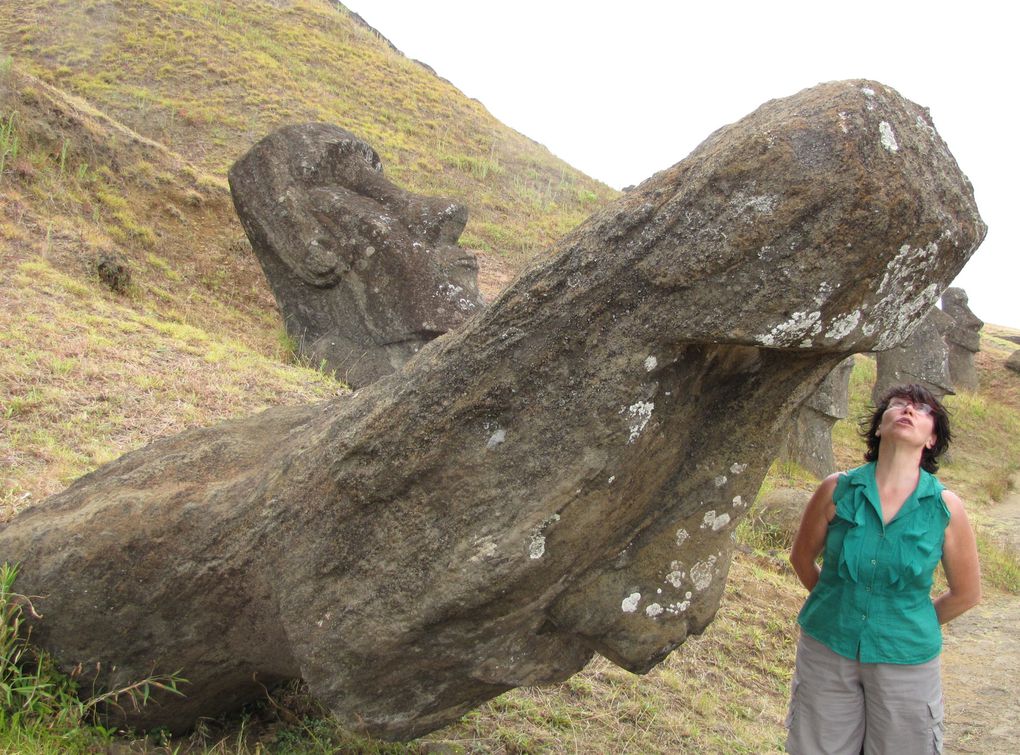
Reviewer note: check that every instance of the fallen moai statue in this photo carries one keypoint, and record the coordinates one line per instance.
(364, 273)
(963, 339)
(922, 357)
(560, 476)
(809, 443)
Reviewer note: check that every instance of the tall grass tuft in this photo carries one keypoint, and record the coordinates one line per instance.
(9, 142)
(40, 708)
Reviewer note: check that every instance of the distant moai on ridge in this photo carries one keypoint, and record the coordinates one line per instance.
(923, 358)
(963, 339)
(810, 441)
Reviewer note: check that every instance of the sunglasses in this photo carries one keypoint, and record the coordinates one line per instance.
(919, 407)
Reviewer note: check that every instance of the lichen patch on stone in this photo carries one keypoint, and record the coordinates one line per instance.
(639, 412)
(536, 547)
(630, 603)
(675, 578)
(653, 610)
(843, 325)
(797, 329)
(715, 521)
(702, 573)
(887, 137)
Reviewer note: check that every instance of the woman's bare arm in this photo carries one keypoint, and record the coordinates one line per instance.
(810, 540)
(960, 561)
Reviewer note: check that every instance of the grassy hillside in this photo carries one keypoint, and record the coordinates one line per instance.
(117, 122)
(209, 78)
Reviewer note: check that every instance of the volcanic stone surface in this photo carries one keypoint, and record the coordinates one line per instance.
(963, 339)
(364, 272)
(559, 476)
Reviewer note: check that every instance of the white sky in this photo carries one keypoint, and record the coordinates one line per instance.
(621, 90)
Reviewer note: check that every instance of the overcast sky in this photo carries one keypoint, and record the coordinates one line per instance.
(622, 90)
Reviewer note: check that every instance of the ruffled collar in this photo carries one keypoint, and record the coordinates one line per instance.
(864, 477)
(916, 534)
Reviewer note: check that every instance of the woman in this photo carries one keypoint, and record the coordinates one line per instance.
(867, 674)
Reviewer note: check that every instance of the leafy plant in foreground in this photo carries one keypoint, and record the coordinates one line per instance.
(37, 701)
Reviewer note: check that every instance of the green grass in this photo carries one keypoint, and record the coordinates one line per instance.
(1000, 564)
(42, 710)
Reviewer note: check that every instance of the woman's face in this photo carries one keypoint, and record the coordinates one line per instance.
(909, 422)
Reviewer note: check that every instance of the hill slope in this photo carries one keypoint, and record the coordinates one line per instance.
(208, 79)
(117, 122)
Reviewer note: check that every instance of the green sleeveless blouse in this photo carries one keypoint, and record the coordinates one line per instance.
(873, 598)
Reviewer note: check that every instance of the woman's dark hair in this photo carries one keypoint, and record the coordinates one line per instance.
(917, 394)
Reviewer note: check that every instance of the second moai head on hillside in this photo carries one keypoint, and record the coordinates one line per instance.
(809, 444)
(963, 339)
(364, 272)
(922, 357)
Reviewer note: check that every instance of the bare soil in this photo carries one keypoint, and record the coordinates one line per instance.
(981, 661)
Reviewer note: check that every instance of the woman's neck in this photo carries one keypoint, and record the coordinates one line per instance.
(898, 466)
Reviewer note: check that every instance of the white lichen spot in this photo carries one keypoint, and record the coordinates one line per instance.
(612, 479)
(720, 481)
(738, 501)
(658, 591)
(681, 536)
(653, 610)
(738, 468)
(888, 138)
(536, 548)
(716, 522)
(630, 603)
(800, 326)
(843, 325)
(702, 573)
(682, 606)
(688, 595)
(823, 294)
(639, 412)
(899, 308)
(651, 363)
(842, 122)
(675, 578)
(762, 204)
(496, 438)
(868, 91)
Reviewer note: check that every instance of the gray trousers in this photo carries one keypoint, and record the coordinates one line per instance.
(840, 706)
